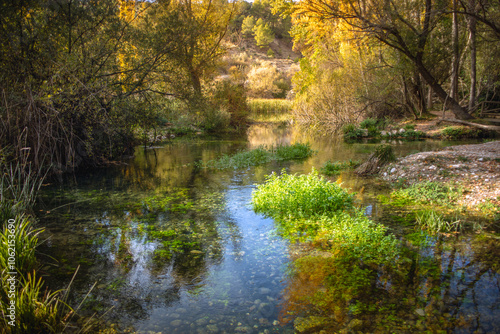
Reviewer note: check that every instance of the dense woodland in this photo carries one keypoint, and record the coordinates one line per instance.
(81, 79)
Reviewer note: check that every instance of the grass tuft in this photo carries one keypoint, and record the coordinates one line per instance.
(259, 156)
(330, 168)
(270, 106)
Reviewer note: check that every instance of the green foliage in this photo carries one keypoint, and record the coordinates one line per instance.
(457, 132)
(269, 105)
(264, 35)
(37, 310)
(433, 222)
(368, 123)
(292, 152)
(25, 238)
(428, 192)
(351, 131)
(261, 155)
(330, 168)
(300, 196)
(385, 153)
(247, 26)
(310, 209)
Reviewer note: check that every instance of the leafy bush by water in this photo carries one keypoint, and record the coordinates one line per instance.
(351, 131)
(301, 196)
(385, 153)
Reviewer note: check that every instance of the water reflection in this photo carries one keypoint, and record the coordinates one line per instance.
(176, 249)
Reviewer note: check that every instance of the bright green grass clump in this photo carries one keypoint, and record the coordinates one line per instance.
(300, 196)
(25, 238)
(270, 105)
(261, 155)
(308, 208)
(428, 192)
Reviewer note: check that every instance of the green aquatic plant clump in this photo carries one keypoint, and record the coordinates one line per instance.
(351, 233)
(25, 239)
(428, 193)
(299, 196)
(261, 155)
(433, 222)
(330, 168)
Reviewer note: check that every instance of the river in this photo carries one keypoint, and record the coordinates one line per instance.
(164, 246)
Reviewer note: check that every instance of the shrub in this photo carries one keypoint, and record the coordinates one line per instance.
(457, 132)
(299, 196)
(267, 81)
(351, 132)
(368, 123)
(230, 99)
(293, 152)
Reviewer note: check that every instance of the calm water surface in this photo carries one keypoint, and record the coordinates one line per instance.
(164, 246)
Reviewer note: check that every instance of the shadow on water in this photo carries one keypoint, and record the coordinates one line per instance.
(176, 249)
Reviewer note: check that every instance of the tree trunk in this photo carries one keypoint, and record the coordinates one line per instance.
(429, 98)
(472, 40)
(455, 62)
(450, 102)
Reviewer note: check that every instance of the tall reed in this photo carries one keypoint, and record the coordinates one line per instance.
(270, 106)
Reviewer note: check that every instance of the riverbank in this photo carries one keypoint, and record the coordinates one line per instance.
(474, 167)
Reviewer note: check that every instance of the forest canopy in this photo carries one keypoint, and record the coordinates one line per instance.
(81, 80)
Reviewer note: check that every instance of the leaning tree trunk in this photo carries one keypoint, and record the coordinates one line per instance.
(450, 102)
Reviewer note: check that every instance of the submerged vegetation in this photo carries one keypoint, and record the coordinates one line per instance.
(307, 208)
(260, 155)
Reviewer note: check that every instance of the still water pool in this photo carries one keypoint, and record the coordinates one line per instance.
(164, 246)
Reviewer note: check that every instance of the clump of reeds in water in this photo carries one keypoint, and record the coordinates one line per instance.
(259, 156)
(270, 106)
(37, 310)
